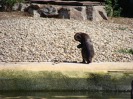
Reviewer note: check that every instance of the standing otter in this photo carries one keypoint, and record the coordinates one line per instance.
(86, 45)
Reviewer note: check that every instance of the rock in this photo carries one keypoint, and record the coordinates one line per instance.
(16, 6)
(99, 13)
(35, 13)
(48, 11)
(95, 13)
(44, 39)
(33, 10)
(33, 7)
(64, 13)
(23, 6)
(78, 13)
(89, 13)
(19, 6)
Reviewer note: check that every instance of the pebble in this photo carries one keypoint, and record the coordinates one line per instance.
(44, 40)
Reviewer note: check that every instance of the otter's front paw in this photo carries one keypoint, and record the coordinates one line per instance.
(79, 46)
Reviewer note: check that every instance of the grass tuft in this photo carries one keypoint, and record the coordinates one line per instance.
(126, 51)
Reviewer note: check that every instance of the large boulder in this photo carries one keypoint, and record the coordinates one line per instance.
(99, 13)
(95, 13)
(76, 12)
(88, 12)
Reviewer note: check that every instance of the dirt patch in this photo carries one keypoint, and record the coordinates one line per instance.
(7, 15)
(125, 21)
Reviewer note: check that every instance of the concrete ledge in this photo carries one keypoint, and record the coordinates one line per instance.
(66, 76)
(48, 66)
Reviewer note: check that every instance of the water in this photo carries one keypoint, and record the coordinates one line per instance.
(64, 95)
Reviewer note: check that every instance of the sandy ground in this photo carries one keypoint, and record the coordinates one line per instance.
(7, 15)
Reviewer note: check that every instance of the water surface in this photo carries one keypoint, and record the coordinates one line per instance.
(64, 95)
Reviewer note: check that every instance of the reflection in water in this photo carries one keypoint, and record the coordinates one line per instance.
(63, 95)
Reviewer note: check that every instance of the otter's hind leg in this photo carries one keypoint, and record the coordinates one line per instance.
(89, 60)
(83, 61)
(83, 56)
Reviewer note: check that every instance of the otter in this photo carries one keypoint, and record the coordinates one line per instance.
(86, 46)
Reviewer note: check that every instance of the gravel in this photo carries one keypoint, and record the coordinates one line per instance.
(45, 40)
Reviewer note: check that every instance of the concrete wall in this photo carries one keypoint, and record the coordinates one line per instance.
(28, 77)
(99, 13)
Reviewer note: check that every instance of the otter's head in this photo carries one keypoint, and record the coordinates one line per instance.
(81, 37)
(78, 37)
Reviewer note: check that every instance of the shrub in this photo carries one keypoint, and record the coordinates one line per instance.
(7, 4)
(113, 8)
(126, 51)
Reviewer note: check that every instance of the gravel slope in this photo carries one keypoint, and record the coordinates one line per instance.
(32, 39)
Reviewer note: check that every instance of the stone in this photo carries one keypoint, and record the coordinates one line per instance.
(23, 6)
(64, 13)
(89, 10)
(94, 13)
(76, 12)
(33, 7)
(19, 6)
(43, 39)
(99, 13)
(33, 10)
(36, 14)
(16, 6)
(48, 11)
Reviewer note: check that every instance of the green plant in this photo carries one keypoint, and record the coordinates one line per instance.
(113, 8)
(126, 51)
(122, 28)
(9, 3)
